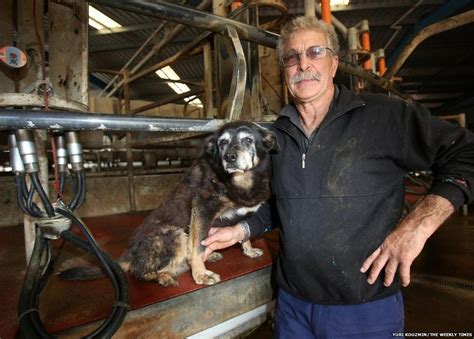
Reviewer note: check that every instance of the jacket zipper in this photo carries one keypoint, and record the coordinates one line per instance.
(307, 143)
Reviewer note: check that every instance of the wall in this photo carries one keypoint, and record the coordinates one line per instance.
(104, 195)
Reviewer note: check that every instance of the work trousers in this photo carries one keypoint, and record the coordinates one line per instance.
(298, 319)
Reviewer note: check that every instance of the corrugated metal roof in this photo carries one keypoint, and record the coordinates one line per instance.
(112, 51)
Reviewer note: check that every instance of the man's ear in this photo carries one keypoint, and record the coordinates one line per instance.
(270, 141)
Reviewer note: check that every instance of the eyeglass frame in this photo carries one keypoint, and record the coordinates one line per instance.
(298, 55)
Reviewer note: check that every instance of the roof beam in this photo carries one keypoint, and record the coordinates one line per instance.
(123, 29)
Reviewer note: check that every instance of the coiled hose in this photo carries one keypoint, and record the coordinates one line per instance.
(40, 268)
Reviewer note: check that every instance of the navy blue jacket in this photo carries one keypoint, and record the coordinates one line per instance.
(337, 196)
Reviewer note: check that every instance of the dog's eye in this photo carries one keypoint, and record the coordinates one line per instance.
(247, 140)
(223, 142)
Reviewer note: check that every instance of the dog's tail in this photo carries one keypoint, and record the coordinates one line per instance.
(89, 272)
(82, 273)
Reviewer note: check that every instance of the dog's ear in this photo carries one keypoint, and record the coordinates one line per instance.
(269, 141)
(209, 145)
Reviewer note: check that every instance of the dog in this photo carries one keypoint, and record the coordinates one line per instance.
(230, 180)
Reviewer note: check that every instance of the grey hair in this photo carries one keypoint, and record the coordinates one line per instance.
(307, 23)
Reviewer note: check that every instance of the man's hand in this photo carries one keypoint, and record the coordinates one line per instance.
(222, 237)
(404, 244)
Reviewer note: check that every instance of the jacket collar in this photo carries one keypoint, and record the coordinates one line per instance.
(343, 102)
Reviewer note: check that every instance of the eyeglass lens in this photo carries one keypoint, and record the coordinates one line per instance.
(312, 53)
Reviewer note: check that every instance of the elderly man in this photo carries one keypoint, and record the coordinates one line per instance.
(338, 191)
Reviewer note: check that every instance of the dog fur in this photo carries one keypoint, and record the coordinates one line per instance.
(230, 180)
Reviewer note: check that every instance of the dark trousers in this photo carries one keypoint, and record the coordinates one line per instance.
(298, 319)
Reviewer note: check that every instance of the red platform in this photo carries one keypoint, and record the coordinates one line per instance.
(66, 304)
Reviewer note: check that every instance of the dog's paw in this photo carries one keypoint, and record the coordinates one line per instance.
(163, 278)
(215, 256)
(166, 279)
(252, 252)
(206, 278)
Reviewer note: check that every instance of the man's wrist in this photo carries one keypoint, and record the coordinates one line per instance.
(246, 231)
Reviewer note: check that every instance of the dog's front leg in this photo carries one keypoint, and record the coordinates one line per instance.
(197, 228)
(250, 251)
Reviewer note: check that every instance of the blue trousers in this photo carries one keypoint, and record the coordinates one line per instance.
(298, 319)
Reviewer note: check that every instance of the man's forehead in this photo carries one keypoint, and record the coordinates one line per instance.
(301, 40)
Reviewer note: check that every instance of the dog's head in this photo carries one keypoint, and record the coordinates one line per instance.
(240, 146)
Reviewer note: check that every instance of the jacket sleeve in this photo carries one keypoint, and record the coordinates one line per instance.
(442, 147)
(264, 220)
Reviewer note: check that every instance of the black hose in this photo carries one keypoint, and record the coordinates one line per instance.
(28, 314)
(19, 194)
(33, 210)
(39, 188)
(62, 179)
(116, 317)
(39, 270)
(113, 270)
(83, 190)
(77, 192)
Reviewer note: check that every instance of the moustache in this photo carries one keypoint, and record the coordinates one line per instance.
(305, 76)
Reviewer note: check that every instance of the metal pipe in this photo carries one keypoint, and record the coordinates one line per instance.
(152, 35)
(169, 36)
(335, 22)
(397, 27)
(309, 8)
(326, 11)
(208, 98)
(62, 120)
(365, 42)
(166, 100)
(380, 56)
(237, 87)
(128, 112)
(187, 50)
(425, 33)
(349, 68)
(192, 17)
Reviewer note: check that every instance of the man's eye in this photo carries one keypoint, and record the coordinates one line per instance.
(315, 52)
(290, 58)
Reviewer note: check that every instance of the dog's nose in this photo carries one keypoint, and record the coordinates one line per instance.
(230, 157)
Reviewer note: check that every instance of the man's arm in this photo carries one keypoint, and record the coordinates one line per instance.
(257, 223)
(405, 242)
(222, 237)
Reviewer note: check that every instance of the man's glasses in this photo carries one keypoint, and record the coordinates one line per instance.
(312, 53)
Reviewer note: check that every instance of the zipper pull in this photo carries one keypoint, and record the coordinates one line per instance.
(303, 158)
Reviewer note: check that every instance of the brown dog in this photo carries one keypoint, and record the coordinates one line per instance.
(230, 180)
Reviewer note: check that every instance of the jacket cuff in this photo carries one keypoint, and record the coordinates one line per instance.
(450, 191)
(256, 226)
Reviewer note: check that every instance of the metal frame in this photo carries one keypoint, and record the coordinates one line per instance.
(62, 120)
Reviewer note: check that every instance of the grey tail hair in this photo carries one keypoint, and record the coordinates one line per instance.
(82, 273)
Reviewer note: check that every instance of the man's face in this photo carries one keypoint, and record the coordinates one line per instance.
(316, 76)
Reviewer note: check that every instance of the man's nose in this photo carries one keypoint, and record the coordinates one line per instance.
(303, 62)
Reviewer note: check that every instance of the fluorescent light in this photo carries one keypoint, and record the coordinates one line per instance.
(168, 73)
(194, 101)
(339, 2)
(95, 24)
(99, 20)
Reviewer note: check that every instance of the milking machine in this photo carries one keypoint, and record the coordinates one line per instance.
(53, 220)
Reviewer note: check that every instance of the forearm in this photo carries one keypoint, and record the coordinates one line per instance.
(428, 215)
(406, 241)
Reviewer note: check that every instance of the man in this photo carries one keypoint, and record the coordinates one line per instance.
(338, 191)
